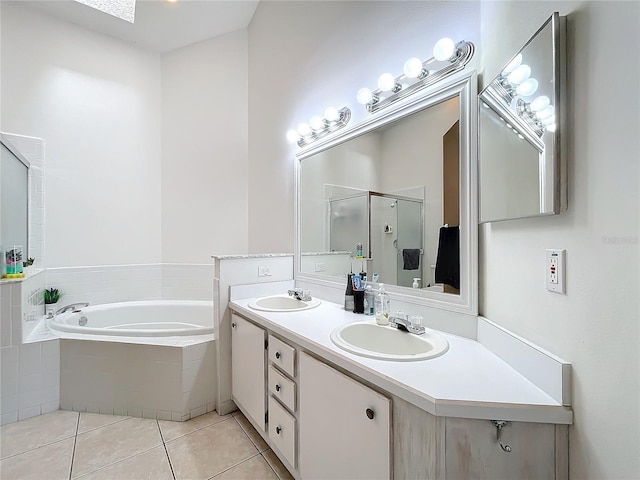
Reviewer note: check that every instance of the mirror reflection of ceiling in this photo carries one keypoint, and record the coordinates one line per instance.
(400, 161)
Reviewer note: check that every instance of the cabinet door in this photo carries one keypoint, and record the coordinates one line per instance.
(344, 428)
(247, 369)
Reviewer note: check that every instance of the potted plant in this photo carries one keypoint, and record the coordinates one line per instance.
(51, 297)
(28, 263)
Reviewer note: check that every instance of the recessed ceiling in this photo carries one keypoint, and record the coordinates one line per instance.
(159, 25)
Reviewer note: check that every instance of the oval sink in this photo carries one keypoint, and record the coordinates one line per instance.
(282, 303)
(388, 343)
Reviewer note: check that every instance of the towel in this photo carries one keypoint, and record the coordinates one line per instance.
(411, 257)
(448, 260)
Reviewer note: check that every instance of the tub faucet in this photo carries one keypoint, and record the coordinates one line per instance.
(73, 306)
(300, 294)
(402, 322)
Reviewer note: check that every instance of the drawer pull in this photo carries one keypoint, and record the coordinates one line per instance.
(277, 387)
(370, 414)
(278, 430)
(278, 355)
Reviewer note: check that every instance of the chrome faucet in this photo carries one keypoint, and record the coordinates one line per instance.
(402, 322)
(300, 294)
(73, 306)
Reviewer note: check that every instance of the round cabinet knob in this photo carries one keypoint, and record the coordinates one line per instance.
(233, 325)
(278, 355)
(277, 388)
(278, 430)
(370, 414)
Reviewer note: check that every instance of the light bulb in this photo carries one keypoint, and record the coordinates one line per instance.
(331, 114)
(551, 128)
(293, 136)
(444, 49)
(545, 113)
(549, 120)
(519, 75)
(540, 103)
(413, 67)
(316, 122)
(528, 87)
(304, 129)
(386, 82)
(512, 65)
(364, 96)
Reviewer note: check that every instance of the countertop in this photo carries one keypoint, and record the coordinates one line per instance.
(468, 381)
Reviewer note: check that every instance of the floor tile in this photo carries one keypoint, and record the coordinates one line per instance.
(35, 432)
(106, 445)
(276, 464)
(150, 465)
(209, 451)
(252, 433)
(91, 421)
(172, 430)
(255, 468)
(54, 459)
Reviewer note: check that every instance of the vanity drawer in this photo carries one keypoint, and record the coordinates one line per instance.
(282, 388)
(282, 355)
(282, 430)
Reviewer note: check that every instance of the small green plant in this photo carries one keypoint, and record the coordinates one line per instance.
(52, 295)
(28, 262)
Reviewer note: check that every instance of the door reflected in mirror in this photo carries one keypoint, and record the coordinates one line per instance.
(379, 203)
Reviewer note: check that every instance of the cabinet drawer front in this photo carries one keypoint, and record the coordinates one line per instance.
(282, 388)
(282, 431)
(282, 355)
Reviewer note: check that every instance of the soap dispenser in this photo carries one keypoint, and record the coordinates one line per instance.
(416, 283)
(382, 306)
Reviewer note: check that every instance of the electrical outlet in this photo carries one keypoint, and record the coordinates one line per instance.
(264, 270)
(321, 267)
(554, 270)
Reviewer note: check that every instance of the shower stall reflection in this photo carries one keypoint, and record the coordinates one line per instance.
(390, 229)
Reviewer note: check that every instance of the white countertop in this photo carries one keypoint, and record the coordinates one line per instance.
(468, 381)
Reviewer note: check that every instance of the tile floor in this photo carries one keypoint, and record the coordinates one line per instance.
(70, 445)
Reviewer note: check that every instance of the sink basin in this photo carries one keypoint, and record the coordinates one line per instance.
(371, 340)
(282, 303)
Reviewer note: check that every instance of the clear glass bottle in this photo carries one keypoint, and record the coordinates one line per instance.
(369, 301)
(382, 302)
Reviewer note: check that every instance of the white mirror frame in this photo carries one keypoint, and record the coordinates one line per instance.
(465, 87)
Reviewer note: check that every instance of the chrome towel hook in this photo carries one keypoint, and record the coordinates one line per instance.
(499, 424)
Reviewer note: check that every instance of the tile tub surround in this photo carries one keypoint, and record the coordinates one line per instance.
(147, 381)
(72, 446)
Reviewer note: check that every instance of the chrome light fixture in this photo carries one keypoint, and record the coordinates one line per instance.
(319, 127)
(416, 75)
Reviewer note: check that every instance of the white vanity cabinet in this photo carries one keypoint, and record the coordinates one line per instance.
(248, 369)
(344, 425)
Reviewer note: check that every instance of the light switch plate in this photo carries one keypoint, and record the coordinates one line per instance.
(555, 270)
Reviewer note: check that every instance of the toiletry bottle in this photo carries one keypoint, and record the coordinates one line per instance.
(416, 283)
(369, 301)
(348, 294)
(358, 294)
(358, 250)
(382, 306)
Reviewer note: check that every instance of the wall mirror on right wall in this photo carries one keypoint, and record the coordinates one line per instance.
(522, 128)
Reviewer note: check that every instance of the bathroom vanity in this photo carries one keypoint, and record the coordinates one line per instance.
(328, 413)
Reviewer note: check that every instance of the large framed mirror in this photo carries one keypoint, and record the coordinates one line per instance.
(522, 126)
(396, 196)
(14, 197)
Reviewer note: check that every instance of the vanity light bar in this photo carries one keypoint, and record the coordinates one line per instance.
(416, 75)
(514, 84)
(319, 127)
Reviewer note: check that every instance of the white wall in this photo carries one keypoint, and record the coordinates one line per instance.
(204, 149)
(305, 56)
(96, 102)
(595, 325)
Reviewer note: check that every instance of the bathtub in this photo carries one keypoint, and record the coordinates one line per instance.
(162, 318)
(149, 359)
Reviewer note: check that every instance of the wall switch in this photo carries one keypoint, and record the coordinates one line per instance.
(321, 267)
(264, 270)
(554, 270)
